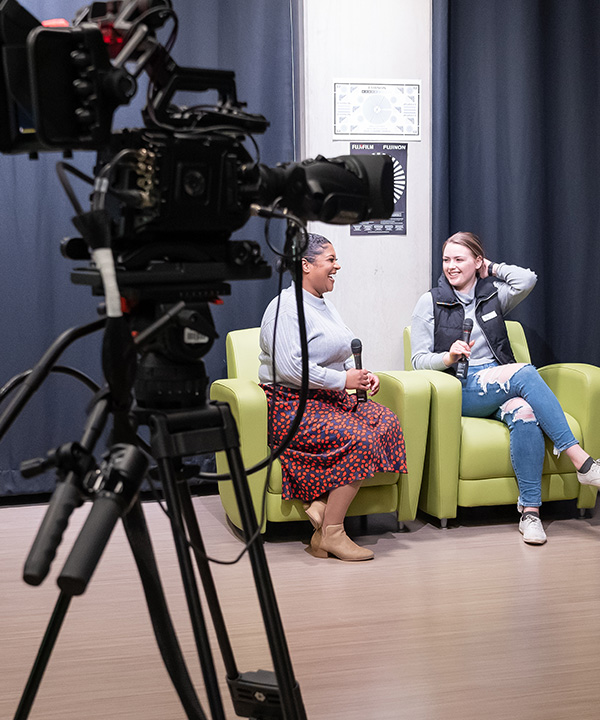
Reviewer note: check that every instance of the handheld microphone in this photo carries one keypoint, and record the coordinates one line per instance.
(356, 345)
(462, 366)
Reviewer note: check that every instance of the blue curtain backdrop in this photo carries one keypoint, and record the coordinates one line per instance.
(37, 298)
(516, 154)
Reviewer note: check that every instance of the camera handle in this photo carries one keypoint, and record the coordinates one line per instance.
(41, 371)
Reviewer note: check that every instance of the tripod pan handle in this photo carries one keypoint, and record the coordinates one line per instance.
(64, 500)
(107, 508)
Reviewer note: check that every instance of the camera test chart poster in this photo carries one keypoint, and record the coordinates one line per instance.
(376, 110)
(396, 225)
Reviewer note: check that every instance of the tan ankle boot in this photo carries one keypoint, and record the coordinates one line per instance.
(314, 547)
(333, 540)
(315, 511)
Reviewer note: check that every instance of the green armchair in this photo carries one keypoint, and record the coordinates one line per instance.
(407, 394)
(467, 463)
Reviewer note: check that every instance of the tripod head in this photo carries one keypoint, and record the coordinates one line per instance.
(170, 371)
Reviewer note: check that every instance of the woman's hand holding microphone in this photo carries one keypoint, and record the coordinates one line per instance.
(362, 380)
(458, 350)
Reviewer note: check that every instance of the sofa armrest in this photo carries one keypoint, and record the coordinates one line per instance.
(439, 492)
(577, 387)
(248, 405)
(407, 395)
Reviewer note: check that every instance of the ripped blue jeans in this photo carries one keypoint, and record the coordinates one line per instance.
(518, 396)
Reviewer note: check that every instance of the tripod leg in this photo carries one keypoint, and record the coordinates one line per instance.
(41, 661)
(168, 479)
(141, 546)
(291, 698)
(208, 583)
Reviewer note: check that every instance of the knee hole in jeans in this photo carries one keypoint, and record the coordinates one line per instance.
(519, 409)
(499, 375)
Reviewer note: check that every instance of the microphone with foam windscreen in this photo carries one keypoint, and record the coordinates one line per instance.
(356, 345)
(462, 366)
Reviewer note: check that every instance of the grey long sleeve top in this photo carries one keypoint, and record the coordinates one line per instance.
(329, 352)
(514, 284)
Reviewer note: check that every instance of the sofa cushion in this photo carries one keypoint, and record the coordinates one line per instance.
(485, 451)
(377, 480)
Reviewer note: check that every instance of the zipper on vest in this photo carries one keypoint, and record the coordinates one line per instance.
(477, 304)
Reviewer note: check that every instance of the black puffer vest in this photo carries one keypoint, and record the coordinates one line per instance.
(449, 313)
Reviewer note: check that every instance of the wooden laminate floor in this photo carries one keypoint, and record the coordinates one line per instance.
(459, 624)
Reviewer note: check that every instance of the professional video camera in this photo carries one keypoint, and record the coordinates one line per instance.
(181, 185)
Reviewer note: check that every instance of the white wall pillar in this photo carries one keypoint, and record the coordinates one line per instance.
(382, 276)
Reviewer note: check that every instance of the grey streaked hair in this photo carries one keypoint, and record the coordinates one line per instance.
(314, 247)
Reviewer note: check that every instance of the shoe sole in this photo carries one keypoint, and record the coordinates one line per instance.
(325, 554)
(532, 542)
(588, 483)
(316, 553)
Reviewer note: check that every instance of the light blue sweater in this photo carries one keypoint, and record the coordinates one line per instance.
(329, 352)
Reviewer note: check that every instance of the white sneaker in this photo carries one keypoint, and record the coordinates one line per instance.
(530, 526)
(592, 476)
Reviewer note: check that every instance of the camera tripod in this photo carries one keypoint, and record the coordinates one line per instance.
(113, 486)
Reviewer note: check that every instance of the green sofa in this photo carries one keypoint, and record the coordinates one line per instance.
(406, 393)
(467, 462)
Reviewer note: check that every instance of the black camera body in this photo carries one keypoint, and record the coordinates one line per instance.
(177, 185)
